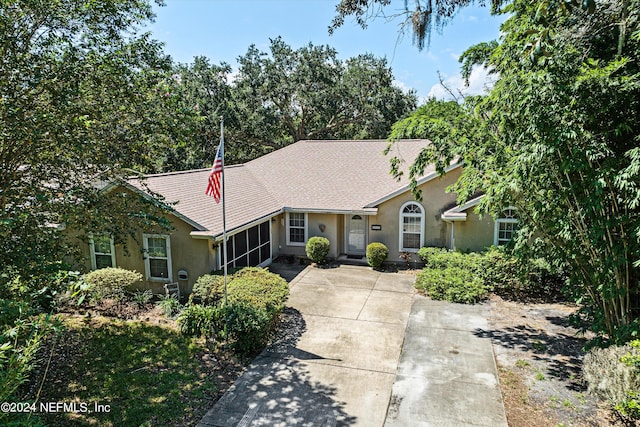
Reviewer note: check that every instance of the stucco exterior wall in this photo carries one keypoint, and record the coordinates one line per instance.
(474, 234)
(193, 255)
(435, 201)
(332, 231)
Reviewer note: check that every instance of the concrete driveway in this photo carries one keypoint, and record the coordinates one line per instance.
(342, 358)
(335, 361)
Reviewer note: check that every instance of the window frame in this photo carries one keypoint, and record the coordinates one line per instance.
(305, 228)
(92, 250)
(402, 215)
(513, 219)
(147, 258)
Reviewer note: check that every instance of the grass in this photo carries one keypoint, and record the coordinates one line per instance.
(148, 374)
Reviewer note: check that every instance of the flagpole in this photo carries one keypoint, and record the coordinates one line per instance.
(224, 213)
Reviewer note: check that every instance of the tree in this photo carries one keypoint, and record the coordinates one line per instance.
(81, 100)
(422, 17)
(558, 138)
(308, 93)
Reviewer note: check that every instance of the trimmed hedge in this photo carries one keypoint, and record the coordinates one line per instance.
(376, 254)
(111, 282)
(255, 301)
(208, 289)
(317, 249)
(497, 271)
(452, 284)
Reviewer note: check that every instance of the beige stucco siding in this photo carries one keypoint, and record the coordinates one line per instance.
(474, 234)
(435, 201)
(332, 231)
(193, 255)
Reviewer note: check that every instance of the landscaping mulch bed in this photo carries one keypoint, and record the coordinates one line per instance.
(539, 356)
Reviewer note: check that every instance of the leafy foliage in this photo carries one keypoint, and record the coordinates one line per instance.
(208, 290)
(255, 301)
(376, 254)
(613, 374)
(112, 282)
(80, 107)
(452, 284)
(314, 95)
(170, 305)
(540, 143)
(317, 249)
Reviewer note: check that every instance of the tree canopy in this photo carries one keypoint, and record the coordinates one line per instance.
(283, 96)
(558, 138)
(80, 100)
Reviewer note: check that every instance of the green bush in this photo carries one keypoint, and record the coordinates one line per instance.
(521, 280)
(208, 289)
(199, 320)
(439, 258)
(256, 299)
(260, 288)
(111, 282)
(613, 374)
(142, 298)
(452, 284)
(317, 249)
(376, 254)
(169, 305)
(248, 327)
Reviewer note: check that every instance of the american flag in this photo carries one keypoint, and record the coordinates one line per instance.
(213, 189)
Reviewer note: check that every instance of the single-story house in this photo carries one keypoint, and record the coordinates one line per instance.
(341, 190)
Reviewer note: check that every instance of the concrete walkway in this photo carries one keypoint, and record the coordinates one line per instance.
(338, 360)
(447, 374)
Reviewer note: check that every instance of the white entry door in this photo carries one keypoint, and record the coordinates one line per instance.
(356, 235)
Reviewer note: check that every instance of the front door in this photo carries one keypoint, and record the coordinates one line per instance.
(356, 235)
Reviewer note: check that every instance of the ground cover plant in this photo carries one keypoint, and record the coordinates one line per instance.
(147, 372)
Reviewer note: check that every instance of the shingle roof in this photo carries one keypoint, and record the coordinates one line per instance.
(308, 175)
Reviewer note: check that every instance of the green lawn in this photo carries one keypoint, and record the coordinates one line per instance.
(148, 374)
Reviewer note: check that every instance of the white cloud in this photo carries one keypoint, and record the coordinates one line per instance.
(480, 82)
(401, 85)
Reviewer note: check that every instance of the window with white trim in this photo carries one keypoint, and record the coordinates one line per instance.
(505, 227)
(411, 227)
(103, 252)
(157, 259)
(296, 228)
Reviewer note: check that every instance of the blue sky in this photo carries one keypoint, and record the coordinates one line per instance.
(222, 30)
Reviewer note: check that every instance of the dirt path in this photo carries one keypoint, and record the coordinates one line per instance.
(539, 357)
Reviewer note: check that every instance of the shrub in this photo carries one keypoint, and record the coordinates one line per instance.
(317, 249)
(376, 254)
(208, 289)
(452, 284)
(522, 280)
(260, 288)
(111, 282)
(256, 299)
(613, 373)
(170, 305)
(142, 298)
(248, 327)
(200, 320)
(440, 258)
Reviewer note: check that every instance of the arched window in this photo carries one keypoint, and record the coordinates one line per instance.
(505, 227)
(411, 227)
